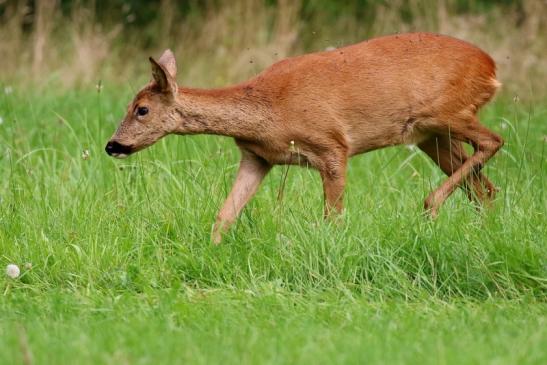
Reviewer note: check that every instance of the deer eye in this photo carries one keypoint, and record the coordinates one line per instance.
(142, 110)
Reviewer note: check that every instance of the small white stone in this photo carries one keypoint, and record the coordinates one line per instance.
(13, 271)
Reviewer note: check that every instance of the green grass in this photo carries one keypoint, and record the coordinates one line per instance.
(123, 270)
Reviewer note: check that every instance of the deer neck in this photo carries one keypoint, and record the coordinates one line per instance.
(238, 112)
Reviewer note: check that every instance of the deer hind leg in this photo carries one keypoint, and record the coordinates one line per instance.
(450, 155)
(484, 142)
(252, 170)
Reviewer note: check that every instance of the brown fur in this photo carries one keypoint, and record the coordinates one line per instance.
(320, 109)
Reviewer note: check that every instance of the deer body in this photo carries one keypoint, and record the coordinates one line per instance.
(320, 109)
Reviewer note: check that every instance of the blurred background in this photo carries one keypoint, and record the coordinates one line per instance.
(74, 44)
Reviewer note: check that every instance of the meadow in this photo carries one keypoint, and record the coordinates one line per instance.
(117, 266)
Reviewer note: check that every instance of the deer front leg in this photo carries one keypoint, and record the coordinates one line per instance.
(252, 170)
(333, 175)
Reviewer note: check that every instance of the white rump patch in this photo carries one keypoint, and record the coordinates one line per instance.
(495, 83)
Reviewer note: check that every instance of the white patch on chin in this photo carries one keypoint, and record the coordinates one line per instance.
(119, 155)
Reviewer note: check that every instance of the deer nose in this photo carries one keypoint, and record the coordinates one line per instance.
(115, 148)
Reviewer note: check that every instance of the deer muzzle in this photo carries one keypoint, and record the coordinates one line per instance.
(117, 150)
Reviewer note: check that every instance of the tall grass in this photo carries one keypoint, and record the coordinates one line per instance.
(148, 219)
(117, 266)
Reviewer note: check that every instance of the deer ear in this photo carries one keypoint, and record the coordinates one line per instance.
(162, 77)
(167, 60)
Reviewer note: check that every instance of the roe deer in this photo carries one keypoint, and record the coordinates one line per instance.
(320, 109)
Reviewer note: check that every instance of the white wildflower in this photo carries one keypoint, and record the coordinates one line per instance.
(292, 148)
(13, 271)
(85, 155)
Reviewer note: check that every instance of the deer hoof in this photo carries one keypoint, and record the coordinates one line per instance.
(216, 237)
(431, 210)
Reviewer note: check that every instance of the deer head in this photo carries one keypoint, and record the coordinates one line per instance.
(151, 114)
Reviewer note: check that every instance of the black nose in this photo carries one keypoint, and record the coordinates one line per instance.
(115, 147)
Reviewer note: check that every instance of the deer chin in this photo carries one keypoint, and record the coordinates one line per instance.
(120, 156)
